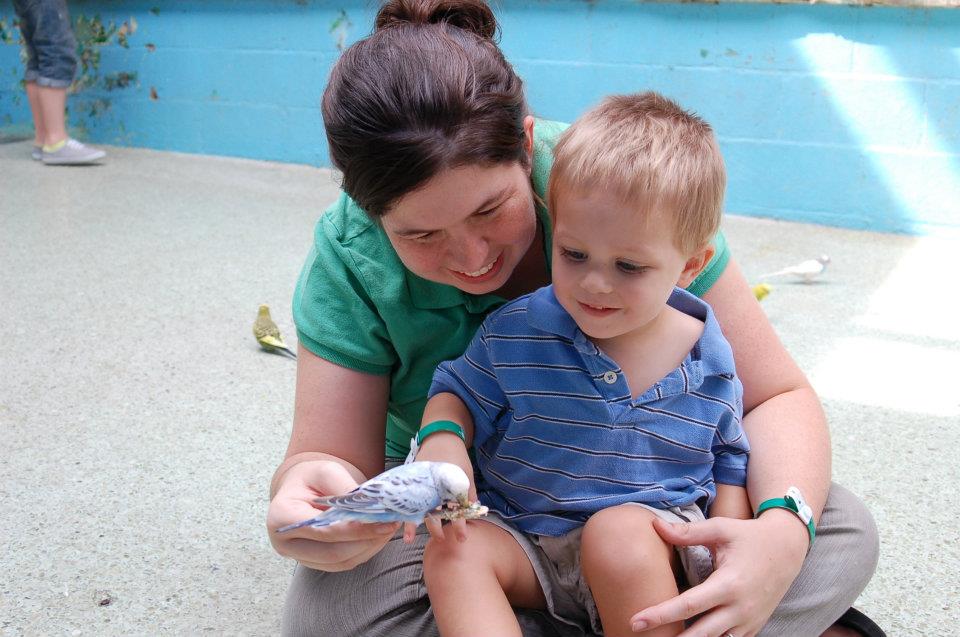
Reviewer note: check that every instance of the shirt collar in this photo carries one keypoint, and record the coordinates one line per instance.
(712, 350)
(428, 295)
(711, 356)
(545, 313)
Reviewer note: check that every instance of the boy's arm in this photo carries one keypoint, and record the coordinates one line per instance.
(730, 453)
(446, 446)
(731, 502)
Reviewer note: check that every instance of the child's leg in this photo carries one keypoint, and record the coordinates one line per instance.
(39, 130)
(627, 567)
(473, 584)
(52, 102)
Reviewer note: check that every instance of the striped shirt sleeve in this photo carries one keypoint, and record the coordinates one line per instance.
(472, 378)
(730, 446)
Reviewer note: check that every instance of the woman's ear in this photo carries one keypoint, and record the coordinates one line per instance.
(528, 130)
(695, 264)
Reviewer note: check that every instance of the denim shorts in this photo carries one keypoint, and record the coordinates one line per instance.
(51, 47)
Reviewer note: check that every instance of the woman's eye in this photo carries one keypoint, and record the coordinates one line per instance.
(631, 268)
(487, 213)
(426, 236)
(573, 255)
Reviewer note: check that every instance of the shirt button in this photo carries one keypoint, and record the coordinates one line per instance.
(610, 377)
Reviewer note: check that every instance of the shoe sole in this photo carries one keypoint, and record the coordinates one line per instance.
(72, 162)
(859, 622)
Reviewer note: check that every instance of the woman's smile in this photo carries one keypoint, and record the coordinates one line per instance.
(482, 275)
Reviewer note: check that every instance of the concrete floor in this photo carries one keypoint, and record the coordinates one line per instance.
(141, 422)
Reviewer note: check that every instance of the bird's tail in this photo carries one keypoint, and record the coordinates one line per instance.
(289, 353)
(777, 273)
(317, 521)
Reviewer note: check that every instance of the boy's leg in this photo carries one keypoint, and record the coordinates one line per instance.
(383, 597)
(39, 130)
(474, 585)
(55, 50)
(627, 567)
(26, 16)
(52, 103)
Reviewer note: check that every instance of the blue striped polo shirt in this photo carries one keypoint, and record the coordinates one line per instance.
(558, 436)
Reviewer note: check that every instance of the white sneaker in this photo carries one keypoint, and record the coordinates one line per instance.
(73, 153)
(36, 153)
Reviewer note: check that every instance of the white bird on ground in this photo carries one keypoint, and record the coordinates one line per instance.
(806, 271)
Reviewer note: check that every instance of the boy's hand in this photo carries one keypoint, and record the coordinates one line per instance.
(435, 527)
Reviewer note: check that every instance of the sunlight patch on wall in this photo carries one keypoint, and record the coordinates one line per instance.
(887, 115)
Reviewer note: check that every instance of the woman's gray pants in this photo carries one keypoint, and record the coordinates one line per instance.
(386, 595)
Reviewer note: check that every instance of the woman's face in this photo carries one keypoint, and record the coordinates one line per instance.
(467, 227)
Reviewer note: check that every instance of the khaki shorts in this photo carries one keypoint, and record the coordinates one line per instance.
(556, 562)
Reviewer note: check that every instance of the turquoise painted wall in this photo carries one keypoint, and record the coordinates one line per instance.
(829, 114)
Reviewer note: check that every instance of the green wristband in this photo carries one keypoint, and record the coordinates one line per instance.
(794, 503)
(440, 425)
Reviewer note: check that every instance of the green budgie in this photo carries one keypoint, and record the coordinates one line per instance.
(268, 334)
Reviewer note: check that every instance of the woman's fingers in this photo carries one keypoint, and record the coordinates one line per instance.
(706, 533)
(351, 531)
(334, 480)
(717, 623)
(692, 602)
(333, 556)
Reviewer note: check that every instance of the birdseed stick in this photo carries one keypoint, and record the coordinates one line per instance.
(472, 512)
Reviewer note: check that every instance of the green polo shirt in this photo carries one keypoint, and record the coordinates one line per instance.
(357, 306)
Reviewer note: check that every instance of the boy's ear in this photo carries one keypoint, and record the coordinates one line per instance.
(695, 264)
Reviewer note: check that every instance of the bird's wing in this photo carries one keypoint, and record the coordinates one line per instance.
(272, 341)
(807, 267)
(265, 329)
(407, 492)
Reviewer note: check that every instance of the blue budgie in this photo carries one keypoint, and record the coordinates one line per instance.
(403, 494)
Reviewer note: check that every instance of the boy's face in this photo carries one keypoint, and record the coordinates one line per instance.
(614, 265)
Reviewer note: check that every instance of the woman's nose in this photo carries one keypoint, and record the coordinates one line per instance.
(471, 251)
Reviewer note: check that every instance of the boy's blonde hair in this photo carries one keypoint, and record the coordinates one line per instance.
(651, 153)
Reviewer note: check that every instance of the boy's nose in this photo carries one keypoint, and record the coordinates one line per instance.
(595, 283)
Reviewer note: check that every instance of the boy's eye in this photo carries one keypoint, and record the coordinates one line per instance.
(631, 268)
(426, 236)
(573, 255)
(486, 213)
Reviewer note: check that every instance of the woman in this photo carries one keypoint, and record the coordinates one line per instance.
(445, 170)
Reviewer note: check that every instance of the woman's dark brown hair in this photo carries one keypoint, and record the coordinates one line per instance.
(427, 91)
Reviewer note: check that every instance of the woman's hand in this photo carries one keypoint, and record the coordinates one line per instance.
(338, 547)
(755, 561)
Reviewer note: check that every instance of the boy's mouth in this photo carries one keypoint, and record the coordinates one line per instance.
(596, 310)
